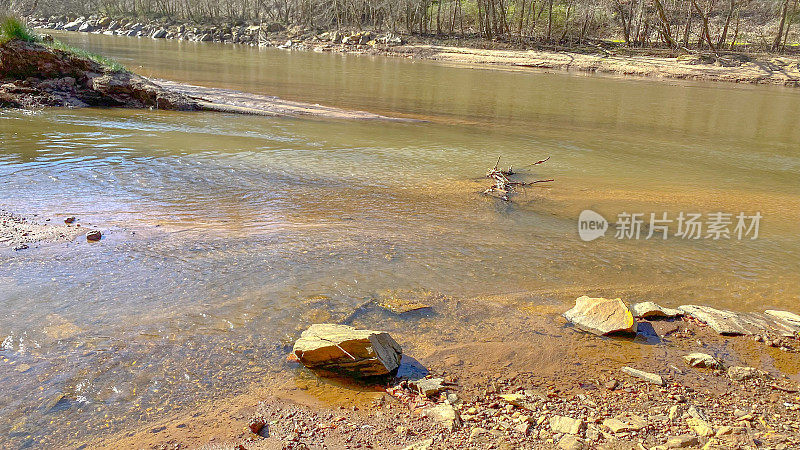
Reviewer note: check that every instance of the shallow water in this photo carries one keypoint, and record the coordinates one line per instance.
(227, 234)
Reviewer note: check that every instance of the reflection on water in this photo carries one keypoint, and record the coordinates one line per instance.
(226, 235)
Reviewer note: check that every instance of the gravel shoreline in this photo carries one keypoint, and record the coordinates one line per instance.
(566, 389)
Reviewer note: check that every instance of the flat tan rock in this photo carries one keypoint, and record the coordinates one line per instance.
(650, 310)
(601, 315)
(721, 321)
(647, 376)
(568, 425)
(725, 322)
(741, 373)
(341, 348)
(791, 320)
(444, 414)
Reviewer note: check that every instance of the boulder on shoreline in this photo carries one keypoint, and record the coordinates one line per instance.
(601, 316)
(344, 349)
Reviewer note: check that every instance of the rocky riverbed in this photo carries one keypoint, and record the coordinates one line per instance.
(675, 383)
(732, 67)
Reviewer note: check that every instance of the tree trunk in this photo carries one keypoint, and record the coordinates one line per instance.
(439, 17)
(705, 31)
(788, 26)
(639, 16)
(736, 32)
(721, 42)
(665, 25)
(785, 9)
(688, 27)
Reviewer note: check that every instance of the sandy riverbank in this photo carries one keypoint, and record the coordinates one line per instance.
(525, 379)
(737, 68)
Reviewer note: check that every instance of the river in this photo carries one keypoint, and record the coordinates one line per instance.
(226, 234)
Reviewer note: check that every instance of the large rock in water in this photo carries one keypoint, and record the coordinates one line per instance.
(601, 315)
(341, 348)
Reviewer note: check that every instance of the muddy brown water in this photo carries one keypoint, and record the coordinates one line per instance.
(225, 235)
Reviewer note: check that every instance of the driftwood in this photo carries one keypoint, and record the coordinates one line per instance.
(504, 187)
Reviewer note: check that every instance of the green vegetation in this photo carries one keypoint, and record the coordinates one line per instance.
(13, 28)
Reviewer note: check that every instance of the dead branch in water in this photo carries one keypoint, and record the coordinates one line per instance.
(503, 187)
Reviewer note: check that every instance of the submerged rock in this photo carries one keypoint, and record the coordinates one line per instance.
(341, 348)
(649, 310)
(702, 360)
(402, 301)
(601, 315)
(401, 306)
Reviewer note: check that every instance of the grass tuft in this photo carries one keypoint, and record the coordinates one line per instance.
(12, 28)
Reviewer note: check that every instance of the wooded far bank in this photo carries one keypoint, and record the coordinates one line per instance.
(678, 24)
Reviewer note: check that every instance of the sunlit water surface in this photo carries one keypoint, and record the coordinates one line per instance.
(227, 234)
